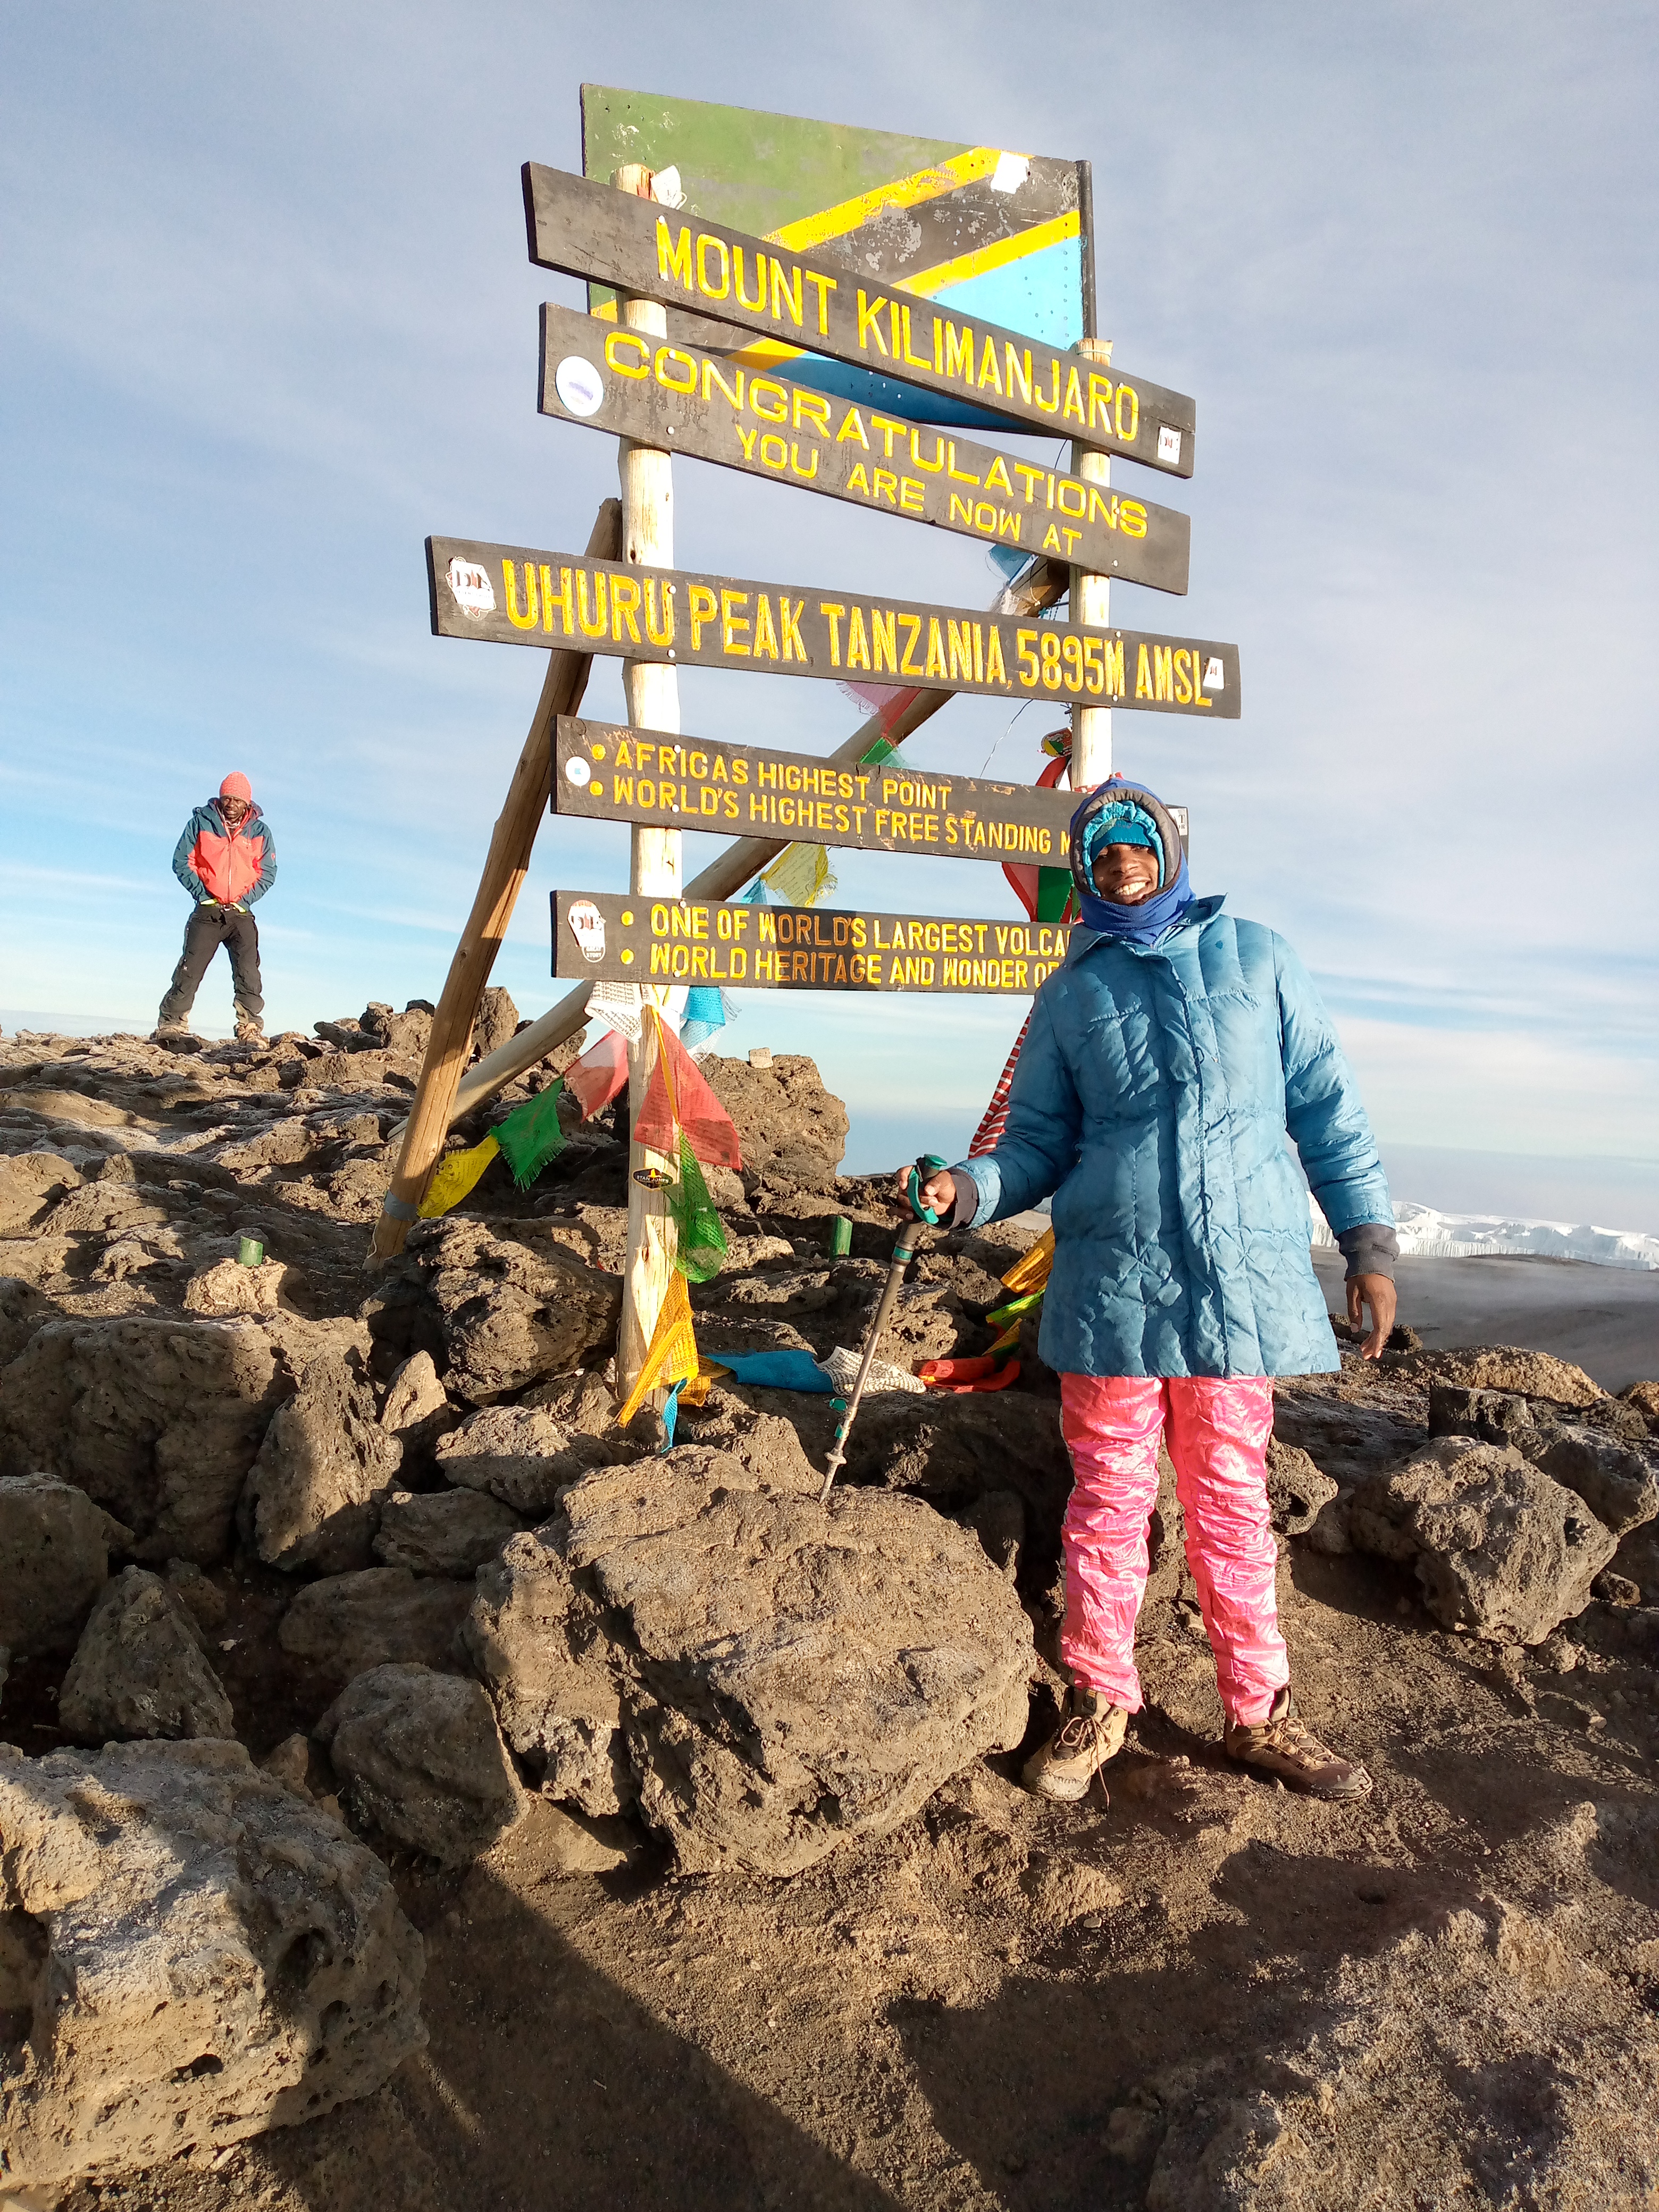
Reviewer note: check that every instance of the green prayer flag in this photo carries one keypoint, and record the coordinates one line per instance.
(531, 1135)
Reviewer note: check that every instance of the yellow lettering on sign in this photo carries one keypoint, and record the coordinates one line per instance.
(616, 345)
(936, 463)
(988, 372)
(960, 635)
(996, 476)
(1134, 519)
(1143, 674)
(532, 613)
(815, 408)
(869, 327)
(776, 409)
(853, 427)
(732, 622)
(883, 632)
(766, 638)
(624, 606)
(825, 285)
(757, 304)
(789, 620)
(712, 376)
(706, 284)
(995, 672)
(674, 261)
(663, 632)
(783, 297)
(959, 351)
(1019, 372)
(600, 622)
(672, 354)
(911, 625)
(858, 644)
(702, 607)
(935, 648)
(1073, 403)
(859, 481)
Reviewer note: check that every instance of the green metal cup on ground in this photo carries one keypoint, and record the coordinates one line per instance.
(250, 1252)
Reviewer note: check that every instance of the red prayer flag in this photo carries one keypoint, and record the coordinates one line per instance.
(594, 1081)
(679, 1092)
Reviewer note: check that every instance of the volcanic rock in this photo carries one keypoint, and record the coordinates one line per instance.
(1497, 1547)
(497, 1020)
(23, 1309)
(521, 1456)
(227, 1287)
(313, 1492)
(1504, 1367)
(443, 1531)
(54, 1560)
(791, 1131)
(509, 1316)
(140, 1668)
(158, 1420)
(347, 1624)
(416, 1411)
(209, 1956)
(1296, 1491)
(31, 1184)
(420, 1758)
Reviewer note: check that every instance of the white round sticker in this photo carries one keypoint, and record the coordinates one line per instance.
(579, 773)
(578, 385)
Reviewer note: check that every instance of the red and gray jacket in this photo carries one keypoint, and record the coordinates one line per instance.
(234, 866)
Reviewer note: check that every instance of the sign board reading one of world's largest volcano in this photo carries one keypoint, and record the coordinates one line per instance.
(591, 230)
(625, 937)
(677, 396)
(517, 595)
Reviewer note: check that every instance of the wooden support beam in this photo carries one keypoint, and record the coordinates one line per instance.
(1091, 602)
(728, 871)
(651, 690)
(504, 869)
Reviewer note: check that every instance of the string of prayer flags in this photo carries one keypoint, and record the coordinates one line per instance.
(707, 1011)
(531, 1136)
(457, 1174)
(594, 1080)
(700, 1244)
(1031, 1271)
(671, 1355)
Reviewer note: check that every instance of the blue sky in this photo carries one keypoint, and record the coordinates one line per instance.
(267, 320)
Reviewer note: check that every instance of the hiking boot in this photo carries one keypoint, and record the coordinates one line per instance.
(1092, 1730)
(1281, 1746)
(250, 1030)
(174, 1032)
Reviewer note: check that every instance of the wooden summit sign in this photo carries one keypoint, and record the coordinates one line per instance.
(687, 401)
(516, 595)
(636, 938)
(611, 773)
(587, 230)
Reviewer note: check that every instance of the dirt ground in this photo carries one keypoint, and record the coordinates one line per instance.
(1206, 1992)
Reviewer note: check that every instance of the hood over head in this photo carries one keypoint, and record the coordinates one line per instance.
(1118, 811)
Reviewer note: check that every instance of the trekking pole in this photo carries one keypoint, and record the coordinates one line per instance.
(903, 1252)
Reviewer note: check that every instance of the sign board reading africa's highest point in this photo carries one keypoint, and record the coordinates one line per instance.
(592, 230)
(517, 595)
(634, 938)
(686, 401)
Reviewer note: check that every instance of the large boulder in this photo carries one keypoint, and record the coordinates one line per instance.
(350, 1623)
(158, 1420)
(140, 1668)
(790, 1675)
(54, 1560)
(228, 1288)
(442, 1531)
(509, 1315)
(314, 1491)
(791, 1130)
(1499, 1547)
(1502, 1367)
(23, 1309)
(416, 1410)
(420, 1758)
(521, 1456)
(537, 1638)
(1298, 1490)
(201, 1955)
(31, 1184)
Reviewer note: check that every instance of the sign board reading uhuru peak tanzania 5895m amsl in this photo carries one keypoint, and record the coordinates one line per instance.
(682, 399)
(628, 936)
(517, 595)
(590, 229)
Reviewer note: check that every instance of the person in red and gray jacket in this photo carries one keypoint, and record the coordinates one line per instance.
(226, 860)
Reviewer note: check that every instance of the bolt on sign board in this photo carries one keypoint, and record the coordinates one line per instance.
(611, 772)
(683, 399)
(982, 232)
(519, 595)
(589, 229)
(625, 937)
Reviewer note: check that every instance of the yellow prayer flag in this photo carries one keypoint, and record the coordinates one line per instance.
(455, 1177)
(1030, 1271)
(672, 1356)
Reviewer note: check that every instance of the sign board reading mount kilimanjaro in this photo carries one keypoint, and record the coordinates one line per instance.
(628, 937)
(589, 229)
(517, 595)
(685, 400)
(609, 772)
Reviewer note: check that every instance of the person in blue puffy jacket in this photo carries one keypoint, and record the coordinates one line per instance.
(1171, 1061)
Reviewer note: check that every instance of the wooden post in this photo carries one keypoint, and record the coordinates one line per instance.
(505, 865)
(1091, 602)
(727, 872)
(651, 690)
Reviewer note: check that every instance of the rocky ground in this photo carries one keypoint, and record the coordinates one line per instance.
(414, 1791)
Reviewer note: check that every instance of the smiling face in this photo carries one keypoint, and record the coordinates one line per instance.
(1126, 874)
(231, 810)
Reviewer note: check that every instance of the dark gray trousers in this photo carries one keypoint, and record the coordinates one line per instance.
(208, 928)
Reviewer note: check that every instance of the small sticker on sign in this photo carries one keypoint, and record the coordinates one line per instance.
(471, 589)
(1010, 172)
(1168, 445)
(579, 773)
(1215, 676)
(578, 385)
(587, 927)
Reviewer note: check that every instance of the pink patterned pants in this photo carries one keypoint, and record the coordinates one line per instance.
(1217, 1432)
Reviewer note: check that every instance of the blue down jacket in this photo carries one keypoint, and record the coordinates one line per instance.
(1152, 1098)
